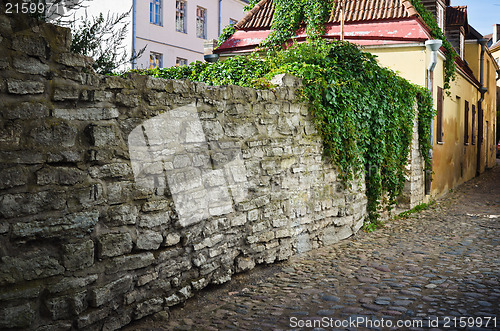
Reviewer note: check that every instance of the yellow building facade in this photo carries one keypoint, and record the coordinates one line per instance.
(465, 125)
(456, 135)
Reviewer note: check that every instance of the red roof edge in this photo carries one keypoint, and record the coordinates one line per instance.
(250, 14)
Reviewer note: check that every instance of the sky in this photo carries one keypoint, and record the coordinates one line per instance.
(482, 14)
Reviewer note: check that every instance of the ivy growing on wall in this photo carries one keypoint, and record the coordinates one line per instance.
(363, 112)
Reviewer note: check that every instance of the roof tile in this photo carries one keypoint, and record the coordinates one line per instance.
(456, 15)
(260, 17)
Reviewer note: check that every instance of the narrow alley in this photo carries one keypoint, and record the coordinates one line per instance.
(439, 268)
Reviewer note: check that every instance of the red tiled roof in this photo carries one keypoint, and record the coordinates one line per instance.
(260, 17)
(456, 16)
(371, 10)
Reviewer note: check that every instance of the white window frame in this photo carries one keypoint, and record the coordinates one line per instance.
(201, 22)
(181, 16)
(155, 60)
(156, 12)
(462, 45)
(440, 16)
(181, 62)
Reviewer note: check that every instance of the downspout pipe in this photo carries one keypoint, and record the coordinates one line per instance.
(134, 15)
(433, 46)
(220, 15)
(480, 119)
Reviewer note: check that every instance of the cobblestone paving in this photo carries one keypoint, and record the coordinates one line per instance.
(435, 267)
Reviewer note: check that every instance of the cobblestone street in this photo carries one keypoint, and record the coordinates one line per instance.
(435, 267)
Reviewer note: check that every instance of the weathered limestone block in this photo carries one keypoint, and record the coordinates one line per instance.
(159, 84)
(92, 316)
(149, 240)
(114, 244)
(29, 65)
(69, 156)
(15, 86)
(29, 266)
(172, 300)
(112, 170)
(333, 235)
(130, 262)
(30, 45)
(148, 307)
(54, 134)
(75, 60)
(122, 215)
(153, 220)
(22, 291)
(103, 135)
(209, 242)
(244, 263)
(27, 110)
(69, 225)
(127, 100)
(72, 283)
(12, 177)
(156, 205)
(17, 317)
(82, 114)
(101, 295)
(172, 239)
(78, 255)
(115, 82)
(60, 175)
(64, 307)
(147, 278)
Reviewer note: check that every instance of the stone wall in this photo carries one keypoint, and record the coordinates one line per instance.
(414, 190)
(120, 197)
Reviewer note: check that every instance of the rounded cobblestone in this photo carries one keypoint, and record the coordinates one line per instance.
(441, 263)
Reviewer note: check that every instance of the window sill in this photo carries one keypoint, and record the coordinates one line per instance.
(156, 24)
(440, 142)
(181, 31)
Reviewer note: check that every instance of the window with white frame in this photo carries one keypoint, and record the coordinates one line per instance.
(155, 10)
(180, 16)
(201, 22)
(181, 62)
(440, 16)
(155, 60)
(462, 45)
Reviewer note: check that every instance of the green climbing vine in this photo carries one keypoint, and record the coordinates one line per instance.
(364, 112)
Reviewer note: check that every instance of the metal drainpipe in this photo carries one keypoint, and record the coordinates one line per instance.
(433, 46)
(220, 15)
(134, 14)
(480, 115)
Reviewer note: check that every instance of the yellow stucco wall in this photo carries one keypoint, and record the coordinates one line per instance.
(454, 162)
(406, 61)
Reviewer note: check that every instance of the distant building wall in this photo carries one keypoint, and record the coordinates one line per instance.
(164, 39)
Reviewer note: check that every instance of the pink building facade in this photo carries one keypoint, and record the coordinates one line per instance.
(174, 31)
